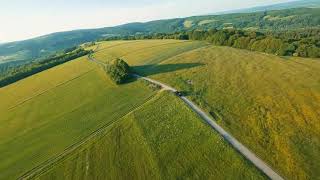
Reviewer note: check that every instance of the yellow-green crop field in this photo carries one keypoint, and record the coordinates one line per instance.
(162, 139)
(46, 113)
(144, 52)
(270, 103)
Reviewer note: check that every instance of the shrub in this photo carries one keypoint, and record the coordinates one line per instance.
(270, 45)
(242, 43)
(219, 38)
(118, 70)
(313, 52)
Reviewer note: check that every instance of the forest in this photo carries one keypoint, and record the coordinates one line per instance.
(302, 43)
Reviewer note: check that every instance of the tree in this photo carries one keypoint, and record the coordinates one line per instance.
(242, 43)
(308, 51)
(269, 45)
(219, 38)
(313, 52)
(118, 70)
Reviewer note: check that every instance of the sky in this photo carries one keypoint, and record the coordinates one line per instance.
(24, 19)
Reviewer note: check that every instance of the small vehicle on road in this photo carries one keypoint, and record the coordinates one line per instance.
(178, 93)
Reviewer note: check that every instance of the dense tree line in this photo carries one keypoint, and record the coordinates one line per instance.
(23, 71)
(303, 43)
(7, 66)
(141, 36)
(285, 43)
(277, 20)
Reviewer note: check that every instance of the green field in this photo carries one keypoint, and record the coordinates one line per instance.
(163, 139)
(72, 122)
(45, 113)
(270, 103)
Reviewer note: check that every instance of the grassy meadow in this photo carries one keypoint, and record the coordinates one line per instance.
(44, 114)
(162, 139)
(270, 103)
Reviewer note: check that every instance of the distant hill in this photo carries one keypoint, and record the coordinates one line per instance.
(24, 51)
(279, 6)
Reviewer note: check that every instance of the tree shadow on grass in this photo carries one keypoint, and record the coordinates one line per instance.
(152, 69)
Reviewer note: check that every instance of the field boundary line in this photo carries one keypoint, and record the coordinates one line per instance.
(182, 53)
(49, 89)
(91, 57)
(151, 47)
(44, 166)
(120, 44)
(132, 42)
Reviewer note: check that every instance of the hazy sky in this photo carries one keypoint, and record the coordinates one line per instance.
(22, 19)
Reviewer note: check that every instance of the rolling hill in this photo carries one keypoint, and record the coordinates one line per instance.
(44, 114)
(278, 6)
(287, 19)
(63, 117)
(269, 103)
(71, 121)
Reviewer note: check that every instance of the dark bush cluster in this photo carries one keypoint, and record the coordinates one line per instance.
(118, 70)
